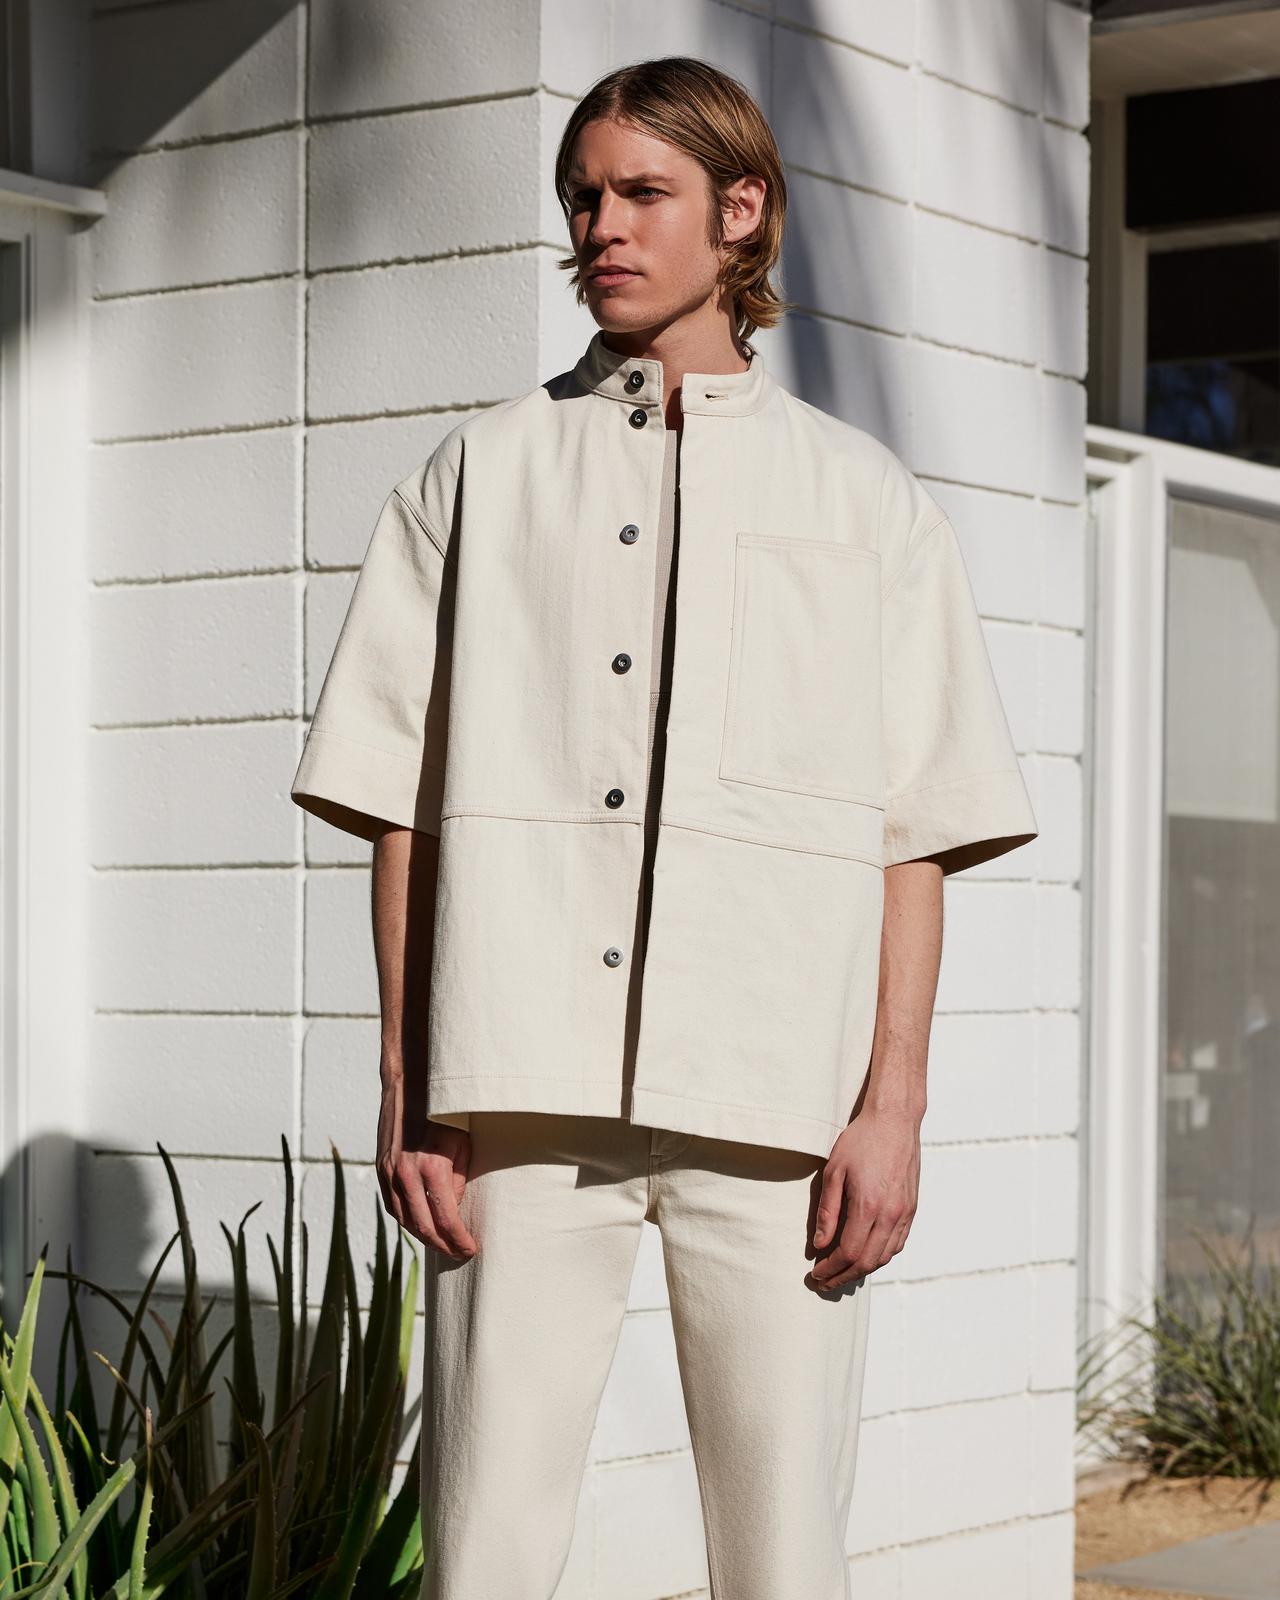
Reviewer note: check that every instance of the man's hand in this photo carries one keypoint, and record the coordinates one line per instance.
(422, 1171)
(865, 1196)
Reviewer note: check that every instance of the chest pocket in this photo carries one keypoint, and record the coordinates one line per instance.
(802, 710)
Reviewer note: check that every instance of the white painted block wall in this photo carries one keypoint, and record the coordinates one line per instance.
(331, 235)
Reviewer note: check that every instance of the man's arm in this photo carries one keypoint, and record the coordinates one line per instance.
(872, 1175)
(421, 1165)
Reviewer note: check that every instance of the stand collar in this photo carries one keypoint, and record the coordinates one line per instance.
(637, 381)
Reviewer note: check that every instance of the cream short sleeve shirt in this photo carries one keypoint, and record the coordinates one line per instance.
(832, 712)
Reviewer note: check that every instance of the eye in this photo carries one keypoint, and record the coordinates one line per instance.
(648, 191)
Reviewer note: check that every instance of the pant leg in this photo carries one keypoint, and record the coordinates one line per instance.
(520, 1340)
(771, 1370)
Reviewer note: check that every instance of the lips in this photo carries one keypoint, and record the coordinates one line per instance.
(612, 274)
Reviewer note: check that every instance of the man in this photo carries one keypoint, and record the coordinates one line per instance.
(665, 737)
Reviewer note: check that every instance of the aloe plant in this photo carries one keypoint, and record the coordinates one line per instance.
(1199, 1393)
(302, 1501)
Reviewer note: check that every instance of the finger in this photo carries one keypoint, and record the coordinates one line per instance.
(873, 1255)
(448, 1217)
(421, 1219)
(831, 1195)
(390, 1199)
(853, 1236)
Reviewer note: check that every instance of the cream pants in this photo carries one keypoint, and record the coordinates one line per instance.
(521, 1337)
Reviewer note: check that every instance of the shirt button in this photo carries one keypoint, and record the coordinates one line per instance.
(614, 798)
(635, 379)
(629, 534)
(638, 417)
(621, 661)
(612, 956)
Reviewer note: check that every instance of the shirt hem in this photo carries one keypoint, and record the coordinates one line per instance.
(452, 1099)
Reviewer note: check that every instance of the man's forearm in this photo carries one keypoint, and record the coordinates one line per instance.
(910, 953)
(405, 864)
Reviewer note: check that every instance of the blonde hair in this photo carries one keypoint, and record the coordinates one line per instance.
(710, 116)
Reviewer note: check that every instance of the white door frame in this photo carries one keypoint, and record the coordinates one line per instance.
(1132, 477)
(44, 731)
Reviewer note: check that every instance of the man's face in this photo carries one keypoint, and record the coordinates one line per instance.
(640, 205)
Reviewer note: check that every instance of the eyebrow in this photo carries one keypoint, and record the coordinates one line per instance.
(636, 177)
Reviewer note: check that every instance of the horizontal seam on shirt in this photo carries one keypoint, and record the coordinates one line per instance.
(773, 844)
(950, 783)
(410, 761)
(541, 816)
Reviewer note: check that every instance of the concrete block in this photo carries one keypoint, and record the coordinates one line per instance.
(980, 160)
(405, 338)
(981, 1078)
(574, 46)
(975, 289)
(1053, 1430)
(974, 1213)
(194, 941)
(202, 70)
(1059, 808)
(966, 1337)
(209, 795)
(999, 537)
(847, 253)
(867, 24)
(1057, 1187)
(1066, 63)
(1062, 411)
(1061, 564)
(396, 188)
(1058, 948)
(192, 1083)
(974, 1565)
(1062, 690)
(1064, 335)
(341, 978)
(842, 113)
(372, 55)
(875, 1514)
(974, 420)
(202, 214)
(943, 1494)
(219, 649)
(731, 38)
(195, 507)
(993, 46)
(1065, 155)
(1052, 1350)
(1058, 1072)
(988, 955)
(648, 1528)
(196, 360)
(341, 1090)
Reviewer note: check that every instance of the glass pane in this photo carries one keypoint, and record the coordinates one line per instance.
(1213, 347)
(1221, 1079)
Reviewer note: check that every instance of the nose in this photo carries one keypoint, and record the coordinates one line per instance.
(607, 223)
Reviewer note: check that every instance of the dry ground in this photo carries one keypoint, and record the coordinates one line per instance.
(1122, 1520)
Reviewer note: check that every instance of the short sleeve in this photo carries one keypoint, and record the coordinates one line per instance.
(375, 750)
(953, 786)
